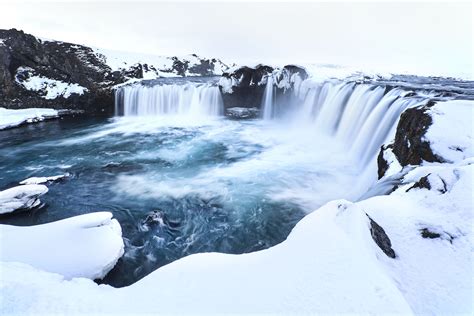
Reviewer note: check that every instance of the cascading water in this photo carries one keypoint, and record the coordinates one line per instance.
(268, 97)
(189, 99)
(360, 116)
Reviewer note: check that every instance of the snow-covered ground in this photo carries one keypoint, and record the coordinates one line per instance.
(50, 87)
(12, 118)
(451, 135)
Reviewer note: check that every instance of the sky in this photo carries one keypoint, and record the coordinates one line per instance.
(430, 38)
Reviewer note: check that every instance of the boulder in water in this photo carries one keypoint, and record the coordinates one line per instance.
(242, 113)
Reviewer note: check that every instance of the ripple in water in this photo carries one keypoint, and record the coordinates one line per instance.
(176, 187)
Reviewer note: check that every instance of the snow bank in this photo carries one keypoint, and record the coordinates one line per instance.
(451, 134)
(309, 272)
(39, 180)
(21, 197)
(83, 246)
(433, 273)
(50, 87)
(12, 118)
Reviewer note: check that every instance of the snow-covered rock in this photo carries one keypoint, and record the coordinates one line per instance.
(82, 246)
(48, 88)
(40, 180)
(21, 197)
(13, 118)
(439, 131)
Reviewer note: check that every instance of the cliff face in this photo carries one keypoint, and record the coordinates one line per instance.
(244, 87)
(59, 75)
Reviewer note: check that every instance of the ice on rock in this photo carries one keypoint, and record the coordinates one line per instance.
(82, 246)
(11, 118)
(21, 197)
(40, 180)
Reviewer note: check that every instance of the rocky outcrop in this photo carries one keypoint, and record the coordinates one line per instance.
(30, 67)
(409, 146)
(59, 75)
(244, 87)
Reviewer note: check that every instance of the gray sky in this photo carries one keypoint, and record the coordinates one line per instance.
(424, 37)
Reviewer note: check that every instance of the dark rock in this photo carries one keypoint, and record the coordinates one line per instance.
(381, 238)
(423, 183)
(72, 63)
(409, 146)
(242, 113)
(60, 61)
(248, 92)
(381, 162)
(426, 233)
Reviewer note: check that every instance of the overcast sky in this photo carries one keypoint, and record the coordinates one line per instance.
(426, 37)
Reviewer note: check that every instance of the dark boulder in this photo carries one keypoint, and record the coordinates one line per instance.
(381, 239)
(242, 113)
(409, 146)
(381, 162)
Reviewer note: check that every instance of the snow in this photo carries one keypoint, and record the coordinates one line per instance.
(39, 180)
(12, 118)
(21, 197)
(451, 134)
(85, 246)
(162, 65)
(52, 88)
(434, 275)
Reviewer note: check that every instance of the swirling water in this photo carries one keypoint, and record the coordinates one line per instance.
(177, 186)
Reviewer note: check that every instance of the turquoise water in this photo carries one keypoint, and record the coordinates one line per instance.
(177, 186)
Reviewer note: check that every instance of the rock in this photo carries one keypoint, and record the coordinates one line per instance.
(382, 164)
(35, 73)
(244, 87)
(242, 113)
(40, 180)
(423, 183)
(409, 146)
(23, 197)
(381, 238)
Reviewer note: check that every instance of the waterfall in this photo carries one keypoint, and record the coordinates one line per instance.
(361, 116)
(268, 99)
(190, 99)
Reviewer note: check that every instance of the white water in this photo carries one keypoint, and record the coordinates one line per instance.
(190, 99)
(360, 117)
(267, 101)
